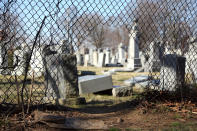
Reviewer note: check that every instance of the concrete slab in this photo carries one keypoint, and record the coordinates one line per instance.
(94, 83)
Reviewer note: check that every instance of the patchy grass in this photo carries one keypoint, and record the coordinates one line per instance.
(178, 126)
(119, 77)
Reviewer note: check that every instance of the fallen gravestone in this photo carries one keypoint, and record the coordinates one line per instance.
(122, 91)
(61, 122)
(94, 83)
(137, 79)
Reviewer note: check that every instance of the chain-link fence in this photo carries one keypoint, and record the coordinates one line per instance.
(38, 40)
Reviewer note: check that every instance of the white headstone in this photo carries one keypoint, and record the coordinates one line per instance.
(101, 61)
(79, 59)
(121, 54)
(95, 58)
(86, 59)
(133, 51)
(91, 56)
(36, 63)
(107, 57)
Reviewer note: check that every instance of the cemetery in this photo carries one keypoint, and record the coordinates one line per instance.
(77, 68)
(63, 73)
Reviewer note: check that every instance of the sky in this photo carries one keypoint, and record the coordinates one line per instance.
(31, 12)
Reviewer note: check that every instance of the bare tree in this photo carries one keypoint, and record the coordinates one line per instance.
(176, 29)
(148, 15)
(97, 35)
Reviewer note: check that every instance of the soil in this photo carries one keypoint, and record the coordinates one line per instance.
(123, 116)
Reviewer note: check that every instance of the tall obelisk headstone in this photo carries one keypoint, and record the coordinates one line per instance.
(133, 50)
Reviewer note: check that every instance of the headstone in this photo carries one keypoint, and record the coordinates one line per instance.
(153, 63)
(20, 58)
(36, 63)
(79, 59)
(61, 79)
(143, 59)
(101, 61)
(133, 50)
(86, 59)
(94, 83)
(107, 57)
(114, 60)
(95, 58)
(121, 54)
(172, 74)
(91, 56)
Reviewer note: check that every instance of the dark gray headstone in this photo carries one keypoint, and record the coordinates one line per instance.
(61, 79)
(172, 74)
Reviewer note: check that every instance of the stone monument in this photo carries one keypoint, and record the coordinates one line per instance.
(61, 78)
(133, 50)
(153, 63)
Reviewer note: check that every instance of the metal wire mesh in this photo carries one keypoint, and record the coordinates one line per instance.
(164, 27)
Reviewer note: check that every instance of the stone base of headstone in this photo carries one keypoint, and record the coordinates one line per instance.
(134, 63)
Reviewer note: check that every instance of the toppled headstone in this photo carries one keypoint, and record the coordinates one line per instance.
(122, 91)
(94, 83)
(137, 79)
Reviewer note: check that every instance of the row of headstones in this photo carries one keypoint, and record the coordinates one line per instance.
(100, 57)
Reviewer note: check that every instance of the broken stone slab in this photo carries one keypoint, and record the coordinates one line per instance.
(141, 86)
(62, 122)
(122, 91)
(137, 79)
(94, 83)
